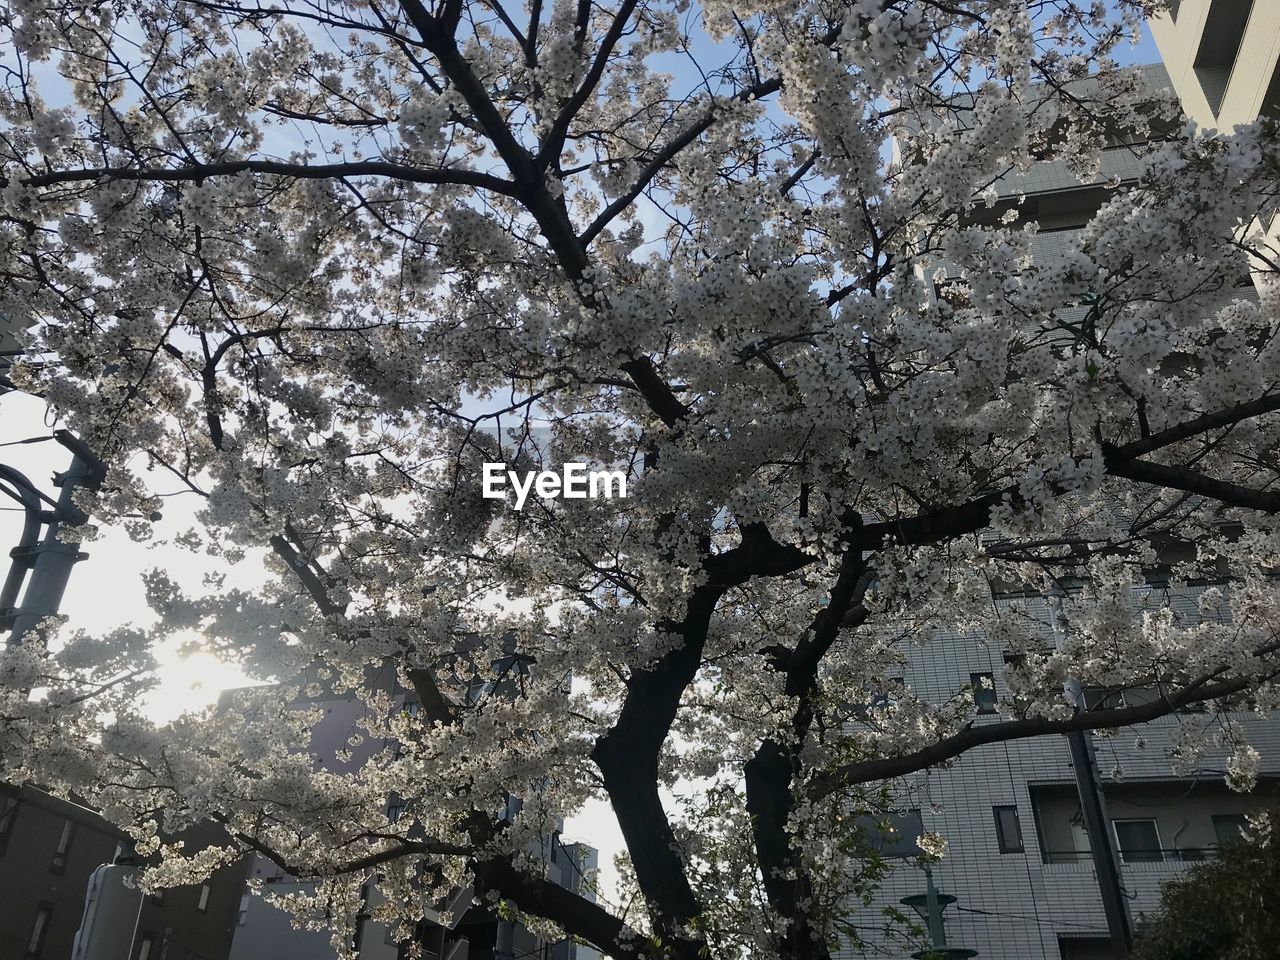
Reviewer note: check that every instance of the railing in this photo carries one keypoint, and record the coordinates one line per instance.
(1166, 855)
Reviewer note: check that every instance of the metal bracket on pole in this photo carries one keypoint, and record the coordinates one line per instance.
(50, 560)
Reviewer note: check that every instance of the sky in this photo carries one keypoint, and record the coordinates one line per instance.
(106, 589)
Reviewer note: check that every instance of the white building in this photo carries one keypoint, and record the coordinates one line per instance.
(1018, 860)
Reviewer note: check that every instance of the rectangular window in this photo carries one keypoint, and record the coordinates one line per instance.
(1008, 829)
(395, 811)
(1138, 840)
(203, 903)
(39, 929)
(144, 948)
(61, 852)
(1229, 827)
(244, 910)
(361, 918)
(984, 692)
(8, 814)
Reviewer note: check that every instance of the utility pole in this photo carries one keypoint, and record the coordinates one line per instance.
(49, 560)
(1093, 804)
(1102, 848)
(113, 906)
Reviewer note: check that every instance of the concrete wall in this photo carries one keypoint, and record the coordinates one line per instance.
(1203, 33)
(264, 932)
(31, 877)
(1014, 906)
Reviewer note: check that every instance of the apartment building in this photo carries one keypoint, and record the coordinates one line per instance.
(1019, 864)
(458, 930)
(1223, 59)
(49, 851)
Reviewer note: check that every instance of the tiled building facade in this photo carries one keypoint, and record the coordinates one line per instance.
(1018, 859)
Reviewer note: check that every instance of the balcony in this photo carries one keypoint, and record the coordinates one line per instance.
(1160, 855)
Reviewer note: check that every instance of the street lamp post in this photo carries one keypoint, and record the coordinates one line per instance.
(929, 905)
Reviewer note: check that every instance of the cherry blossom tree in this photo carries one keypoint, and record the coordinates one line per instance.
(317, 261)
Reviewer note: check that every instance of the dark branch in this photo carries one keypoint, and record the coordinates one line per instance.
(297, 171)
(865, 771)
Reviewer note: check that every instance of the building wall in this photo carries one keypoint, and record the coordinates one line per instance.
(1222, 58)
(264, 932)
(186, 924)
(1017, 906)
(30, 881)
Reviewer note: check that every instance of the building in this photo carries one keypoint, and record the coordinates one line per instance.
(49, 849)
(1223, 59)
(1019, 861)
(9, 348)
(458, 930)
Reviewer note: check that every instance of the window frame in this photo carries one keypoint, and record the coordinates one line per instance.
(984, 681)
(1126, 857)
(39, 929)
(1003, 841)
(202, 898)
(62, 852)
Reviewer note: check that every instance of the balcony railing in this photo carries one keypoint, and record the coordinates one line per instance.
(1166, 855)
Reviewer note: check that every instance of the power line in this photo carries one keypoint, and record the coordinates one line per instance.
(14, 443)
(1037, 920)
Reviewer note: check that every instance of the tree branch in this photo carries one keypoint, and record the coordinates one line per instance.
(298, 171)
(577, 915)
(865, 771)
(1184, 478)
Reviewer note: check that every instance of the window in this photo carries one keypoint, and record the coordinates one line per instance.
(8, 814)
(1138, 840)
(244, 910)
(144, 948)
(1229, 828)
(39, 929)
(894, 834)
(1220, 41)
(202, 904)
(1008, 829)
(1112, 698)
(395, 811)
(984, 692)
(59, 863)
